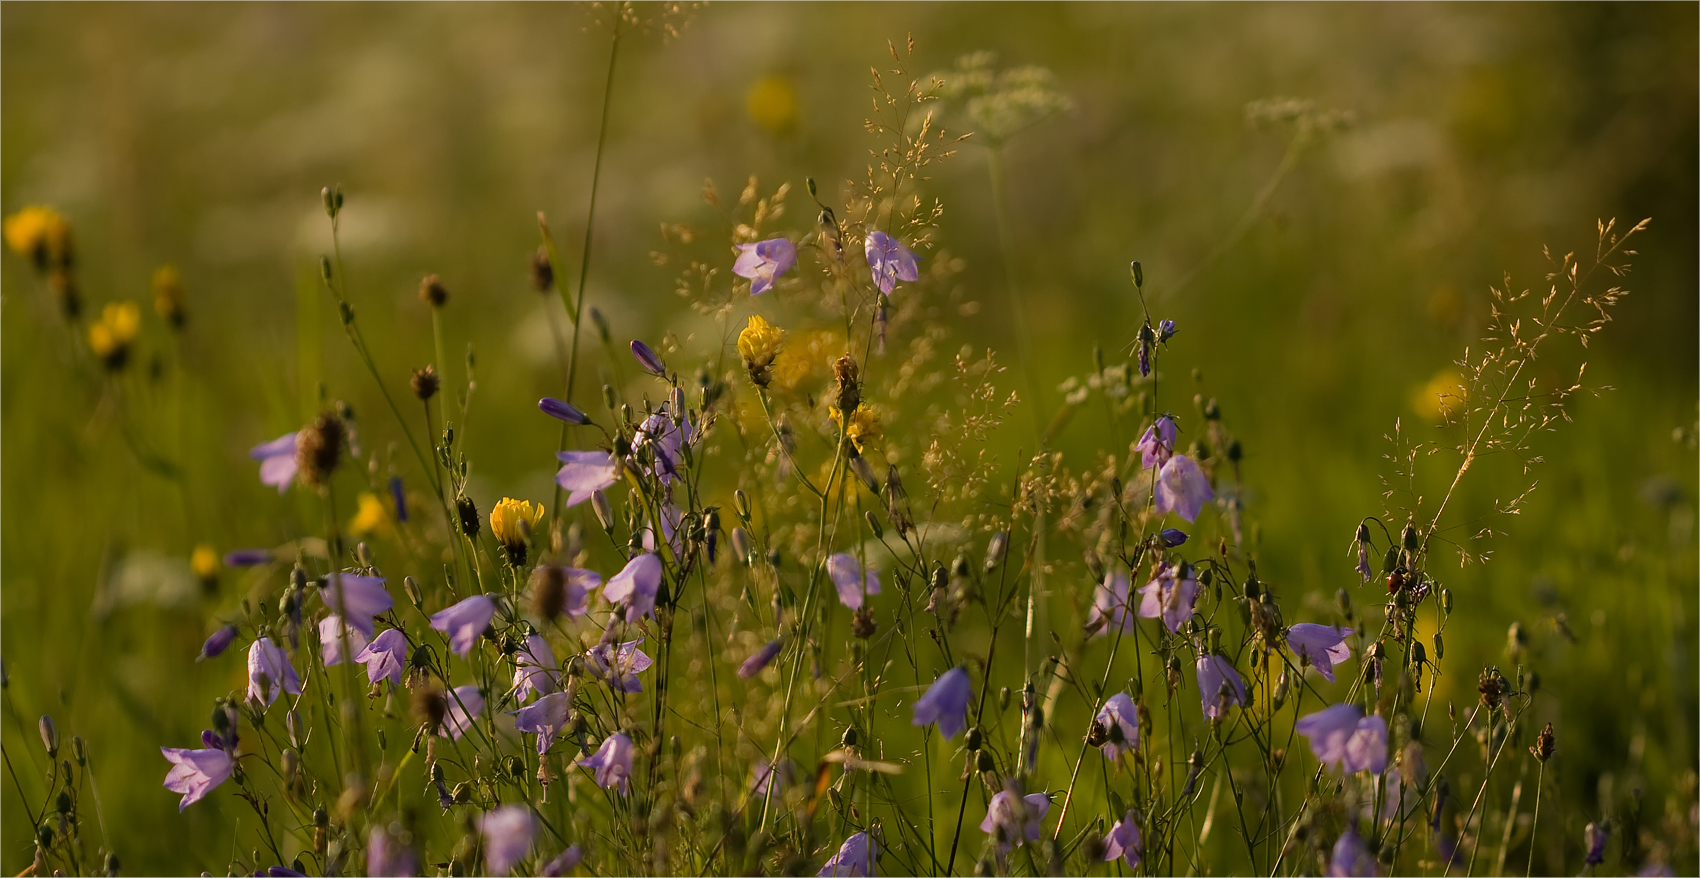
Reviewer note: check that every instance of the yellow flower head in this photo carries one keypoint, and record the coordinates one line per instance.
(803, 359)
(371, 516)
(864, 426)
(110, 336)
(758, 344)
(41, 234)
(168, 294)
(505, 522)
(772, 104)
(204, 561)
(1442, 397)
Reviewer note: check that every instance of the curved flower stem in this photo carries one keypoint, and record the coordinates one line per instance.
(1534, 824)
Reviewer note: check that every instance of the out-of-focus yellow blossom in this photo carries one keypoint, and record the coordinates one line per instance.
(204, 561)
(168, 294)
(1442, 397)
(758, 344)
(864, 427)
(370, 516)
(772, 104)
(803, 358)
(41, 234)
(110, 336)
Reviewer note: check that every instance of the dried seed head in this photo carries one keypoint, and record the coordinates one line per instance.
(430, 707)
(1545, 743)
(542, 273)
(862, 624)
(432, 292)
(425, 383)
(548, 592)
(849, 392)
(1493, 687)
(468, 515)
(318, 447)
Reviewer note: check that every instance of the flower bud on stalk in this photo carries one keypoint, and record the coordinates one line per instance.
(49, 736)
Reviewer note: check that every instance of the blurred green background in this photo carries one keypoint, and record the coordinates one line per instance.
(199, 135)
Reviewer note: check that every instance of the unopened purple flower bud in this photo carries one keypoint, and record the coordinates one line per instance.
(1596, 837)
(648, 360)
(1172, 537)
(562, 410)
(217, 643)
(248, 558)
(1165, 330)
(763, 657)
(400, 498)
(49, 736)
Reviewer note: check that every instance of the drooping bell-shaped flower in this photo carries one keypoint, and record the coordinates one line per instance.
(856, 857)
(332, 633)
(270, 673)
(1215, 673)
(665, 438)
(1322, 646)
(1351, 857)
(847, 577)
(357, 598)
(385, 657)
(946, 703)
(1122, 842)
(277, 462)
(507, 835)
(619, 664)
(386, 855)
(1119, 719)
(764, 261)
(1109, 609)
(465, 704)
(534, 668)
(1169, 597)
(1182, 488)
(611, 764)
(583, 473)
(194, 773)
(566, 862)
(1014, 820)
(545, 718)
(890, 261)
(1342, 736)
(635, 586)
(1157, 445)
(465, 622)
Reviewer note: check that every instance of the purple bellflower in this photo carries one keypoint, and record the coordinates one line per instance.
(1169, 598)
(848, 578)
(1110, 605)
(665, 438)
(1214, 672)
(1123, 841)
(566, 862)
(400, 497)
(855, 857)
(277, 462)
(1323, 646)
(465, 622)
(1351, 857)
(1172, 537)
(270, 673)
(507, 835)
(545, 718)
(612, 762)
(385, 855)
(385, 656)
(1182, 488)
(218, 643)
(583, 473)
(247, 557)
(1342, 736)
(946, 703)
(890, 262)
(635, 586)
(331, 633)
(465, 705)
(766, 781)
(359, 598)
(575, 598)
(763, 657)
(561, 410)
(763, 262)
(647, 358)
(1158, 444)
(619, 665)
(280, 872)
(670, 518)
(534, 668)
(1015, 820)
(1120, 720)
(194, 773)
(1595, 837)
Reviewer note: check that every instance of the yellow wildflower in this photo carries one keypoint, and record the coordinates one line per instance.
(864, 427)
(803, 358)
(371, 515)
(168, 295)
(41, 234)
(110, 337)
(204, 561)
(1442, 397)
(772, 104)
(758, 344)
(512, 523)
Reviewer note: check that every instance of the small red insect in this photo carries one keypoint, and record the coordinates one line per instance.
(1396, 580)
